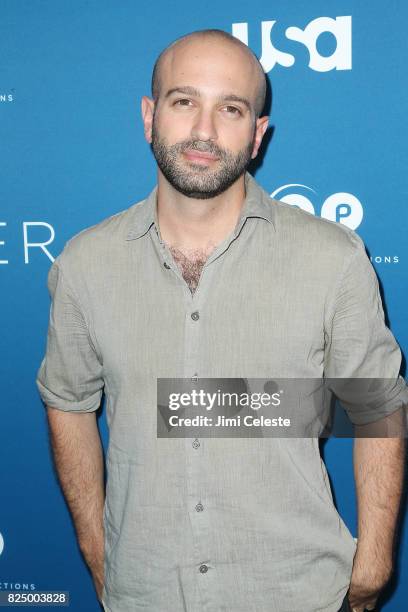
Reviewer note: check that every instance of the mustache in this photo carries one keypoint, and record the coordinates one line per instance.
(203, 146)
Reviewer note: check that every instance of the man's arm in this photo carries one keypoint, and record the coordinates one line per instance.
(78, 457)
(379, 472)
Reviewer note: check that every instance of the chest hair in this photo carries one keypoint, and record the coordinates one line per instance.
(191, 264)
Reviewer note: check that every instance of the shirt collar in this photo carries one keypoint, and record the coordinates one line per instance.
(257, 203)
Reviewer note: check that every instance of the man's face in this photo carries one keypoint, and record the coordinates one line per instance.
(204, 131)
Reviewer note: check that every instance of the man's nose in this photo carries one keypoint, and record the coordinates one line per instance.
(204, 126)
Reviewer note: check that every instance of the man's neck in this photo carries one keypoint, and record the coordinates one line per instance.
(195, 225)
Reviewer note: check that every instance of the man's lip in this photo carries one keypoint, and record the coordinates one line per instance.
(199, 154)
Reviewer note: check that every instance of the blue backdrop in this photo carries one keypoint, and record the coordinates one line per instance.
(73, 152)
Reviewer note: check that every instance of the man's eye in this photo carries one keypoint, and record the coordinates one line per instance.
(183, 102)
(233, 110)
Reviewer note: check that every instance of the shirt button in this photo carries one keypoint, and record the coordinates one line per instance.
(199, 507)
(196, 443)
(195, 315)
(203, 568)
(166, 265)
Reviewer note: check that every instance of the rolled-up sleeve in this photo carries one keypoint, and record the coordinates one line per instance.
(70, 375)
(362, 357)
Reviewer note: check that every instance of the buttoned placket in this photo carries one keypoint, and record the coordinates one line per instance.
(198, 507)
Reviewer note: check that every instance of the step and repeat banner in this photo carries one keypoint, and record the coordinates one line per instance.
(72, 74)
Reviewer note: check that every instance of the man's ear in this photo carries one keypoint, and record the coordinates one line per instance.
(147, 116)
(261, 127)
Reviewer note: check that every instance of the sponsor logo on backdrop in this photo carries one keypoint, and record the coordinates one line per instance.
(341, 207)
(17, 586)
(379, 259)
(339, 27)
(4, 97)
(14, 585)
(32, 239)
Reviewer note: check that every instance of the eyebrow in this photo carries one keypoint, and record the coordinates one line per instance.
(192, 91)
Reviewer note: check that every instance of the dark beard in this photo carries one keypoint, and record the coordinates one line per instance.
(199, 181)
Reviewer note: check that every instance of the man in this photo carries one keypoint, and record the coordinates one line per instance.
(208, 277)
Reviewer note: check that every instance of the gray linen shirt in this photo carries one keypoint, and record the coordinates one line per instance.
(211, 525)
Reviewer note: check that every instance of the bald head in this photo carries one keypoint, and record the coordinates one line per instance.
(218, 36)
